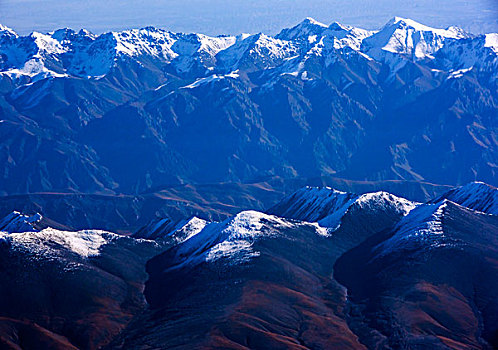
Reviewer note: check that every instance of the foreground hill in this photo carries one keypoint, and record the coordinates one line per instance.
(321, 269)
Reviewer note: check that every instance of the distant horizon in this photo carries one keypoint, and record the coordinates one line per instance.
(242, 33)
(222, 17)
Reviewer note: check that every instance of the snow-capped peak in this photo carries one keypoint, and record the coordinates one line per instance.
(48, 242)
(47, 44)
(382, 198)
(328, 206)
(409, 38)
(373, 201)
(303, 30)
(68, 36)
(258, 51)
(341, 30)
(6, 31)
(232, 239)
(312, 21)
(406, 22)
(65, 53)
(189, 228)
(23, 232)
(346, 36)
(409, 24)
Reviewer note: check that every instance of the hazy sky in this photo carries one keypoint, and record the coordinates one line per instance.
(237, 16)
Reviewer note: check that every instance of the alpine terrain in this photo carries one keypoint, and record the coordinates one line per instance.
(322, 269)
(128, 112)
(329, 187)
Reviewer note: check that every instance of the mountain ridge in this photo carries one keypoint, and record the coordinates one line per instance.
(167, 45)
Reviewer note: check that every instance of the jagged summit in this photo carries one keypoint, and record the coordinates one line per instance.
(303, 30)
(87, 55)
(6, 31)
(307, 107)
(17, 222)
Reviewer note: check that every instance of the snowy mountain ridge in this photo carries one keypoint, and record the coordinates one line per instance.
(321, 210)
(65, 52)
(327, 206)
(258, 267)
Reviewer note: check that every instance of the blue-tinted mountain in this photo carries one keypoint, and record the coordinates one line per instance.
(130, 111)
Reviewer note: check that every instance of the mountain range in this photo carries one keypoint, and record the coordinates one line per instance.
(129, 112)
(321, 269)
(316, 189)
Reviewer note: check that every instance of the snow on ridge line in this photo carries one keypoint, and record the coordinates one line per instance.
(242, 230)
(18, 222)
(192, 227)
(232, 240)
(450, 32)
(422, 228)
(421, 225)
(7, 30)
(168, 45)
(92, 56)
(402, 39)
(382, 198)
(379, 199)
(327, 206)
(85, 243)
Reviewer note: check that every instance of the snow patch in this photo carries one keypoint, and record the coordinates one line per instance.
(210, 79)
(491, 41)
(187, 230)
(459, 73)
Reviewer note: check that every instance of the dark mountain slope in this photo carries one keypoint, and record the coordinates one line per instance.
(428, 282)
(127, 112)
(361, 271)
